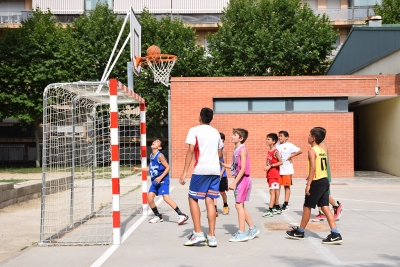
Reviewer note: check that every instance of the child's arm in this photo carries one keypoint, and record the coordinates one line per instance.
(242, 170)
(278, 157)
(223, 167)
(164, 162)
(311, 156)
(295, 154)
(134, 169)
(188, 160)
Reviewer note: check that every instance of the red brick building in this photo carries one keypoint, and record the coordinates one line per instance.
(296, 95)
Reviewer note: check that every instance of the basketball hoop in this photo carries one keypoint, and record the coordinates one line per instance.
(160, 64)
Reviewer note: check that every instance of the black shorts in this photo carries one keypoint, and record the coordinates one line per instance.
(319, 194)
(223, 185)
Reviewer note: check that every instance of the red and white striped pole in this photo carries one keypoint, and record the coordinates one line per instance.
(114, 136)
(143, 144)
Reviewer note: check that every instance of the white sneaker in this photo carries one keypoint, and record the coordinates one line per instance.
(195, 238)
(182, 219)
(156, 219)
(212, 241)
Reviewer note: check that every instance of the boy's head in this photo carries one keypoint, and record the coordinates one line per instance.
(242, 133)
(273, 138)
(222, 137)
(283, 136)
(158, 143)
(317, 134)
(206, 115)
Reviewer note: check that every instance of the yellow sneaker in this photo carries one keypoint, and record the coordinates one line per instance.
(225, 210)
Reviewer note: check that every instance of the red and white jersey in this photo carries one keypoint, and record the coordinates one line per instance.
(206, 141)
(273, 172)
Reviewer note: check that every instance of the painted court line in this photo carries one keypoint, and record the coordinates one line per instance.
(360, 200)
(113, 248)
(314, 243)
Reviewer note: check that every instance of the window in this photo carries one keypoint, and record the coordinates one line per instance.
(231, 105)
(91, 4)
(367, 2)
(314, 105)
(281, 105)
(269, 105)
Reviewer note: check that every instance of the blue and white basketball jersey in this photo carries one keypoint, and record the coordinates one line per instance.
(156, 168)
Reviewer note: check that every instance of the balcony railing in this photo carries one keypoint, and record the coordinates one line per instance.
(355, 13)
(199, 11)
(60, 7)
(10, 16)
(171, 6)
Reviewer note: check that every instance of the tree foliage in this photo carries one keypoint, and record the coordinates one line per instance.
(389, 10)
(270, 37)
(173, 37)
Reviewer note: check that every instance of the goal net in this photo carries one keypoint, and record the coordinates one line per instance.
(78, 183)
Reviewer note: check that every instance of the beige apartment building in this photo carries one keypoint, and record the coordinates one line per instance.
(202, 15)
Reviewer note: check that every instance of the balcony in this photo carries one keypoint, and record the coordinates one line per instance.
(348, 14)
(13, 16)
(171, 6)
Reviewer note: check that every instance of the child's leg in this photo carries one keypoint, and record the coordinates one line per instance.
(224, 197)
(210, 214)
(287, 193)
(277, 194)
(195, 212)
(305, 217)
(329, 216)
(241, 215)
(169, 201)
(272, 198)
(150, 199)
(248, 219)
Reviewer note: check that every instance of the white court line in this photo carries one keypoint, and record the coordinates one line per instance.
(113, 248)
(360, 200)
(316, 245)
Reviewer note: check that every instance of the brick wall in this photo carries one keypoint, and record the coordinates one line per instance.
(189, 95)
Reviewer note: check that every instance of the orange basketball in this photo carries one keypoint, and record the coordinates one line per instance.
(153, 50)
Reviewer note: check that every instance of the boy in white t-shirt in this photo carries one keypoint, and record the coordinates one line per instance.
(205, 146)
(287, 151)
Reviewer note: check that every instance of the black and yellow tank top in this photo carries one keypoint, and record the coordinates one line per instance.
(321, 163)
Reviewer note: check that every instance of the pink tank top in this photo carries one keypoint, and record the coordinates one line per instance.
(236, 163)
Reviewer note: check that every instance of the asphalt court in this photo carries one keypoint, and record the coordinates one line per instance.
(370, 227)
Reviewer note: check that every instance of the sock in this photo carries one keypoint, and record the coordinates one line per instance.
(270, 209)
(156, 213)
(300, 229)
(225, 204)
(277, 207)
(286, 203)
(334, 230)
(178, 210)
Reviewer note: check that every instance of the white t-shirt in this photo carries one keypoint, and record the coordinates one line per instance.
(285, 150)
(206, 141)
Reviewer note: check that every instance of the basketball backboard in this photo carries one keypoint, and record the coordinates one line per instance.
(136, 41)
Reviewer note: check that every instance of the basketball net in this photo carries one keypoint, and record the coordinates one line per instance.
(161, 66)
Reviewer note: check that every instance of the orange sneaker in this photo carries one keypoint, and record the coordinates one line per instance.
(225, 210)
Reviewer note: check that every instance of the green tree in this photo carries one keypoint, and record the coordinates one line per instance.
(389, 10)
(95, 36)
(31, 57)
(173, 37)
(270, 37)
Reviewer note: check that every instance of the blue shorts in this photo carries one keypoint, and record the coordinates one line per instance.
(202, 186)
(160, 189)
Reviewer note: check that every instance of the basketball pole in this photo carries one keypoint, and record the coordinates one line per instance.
(169, 133)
